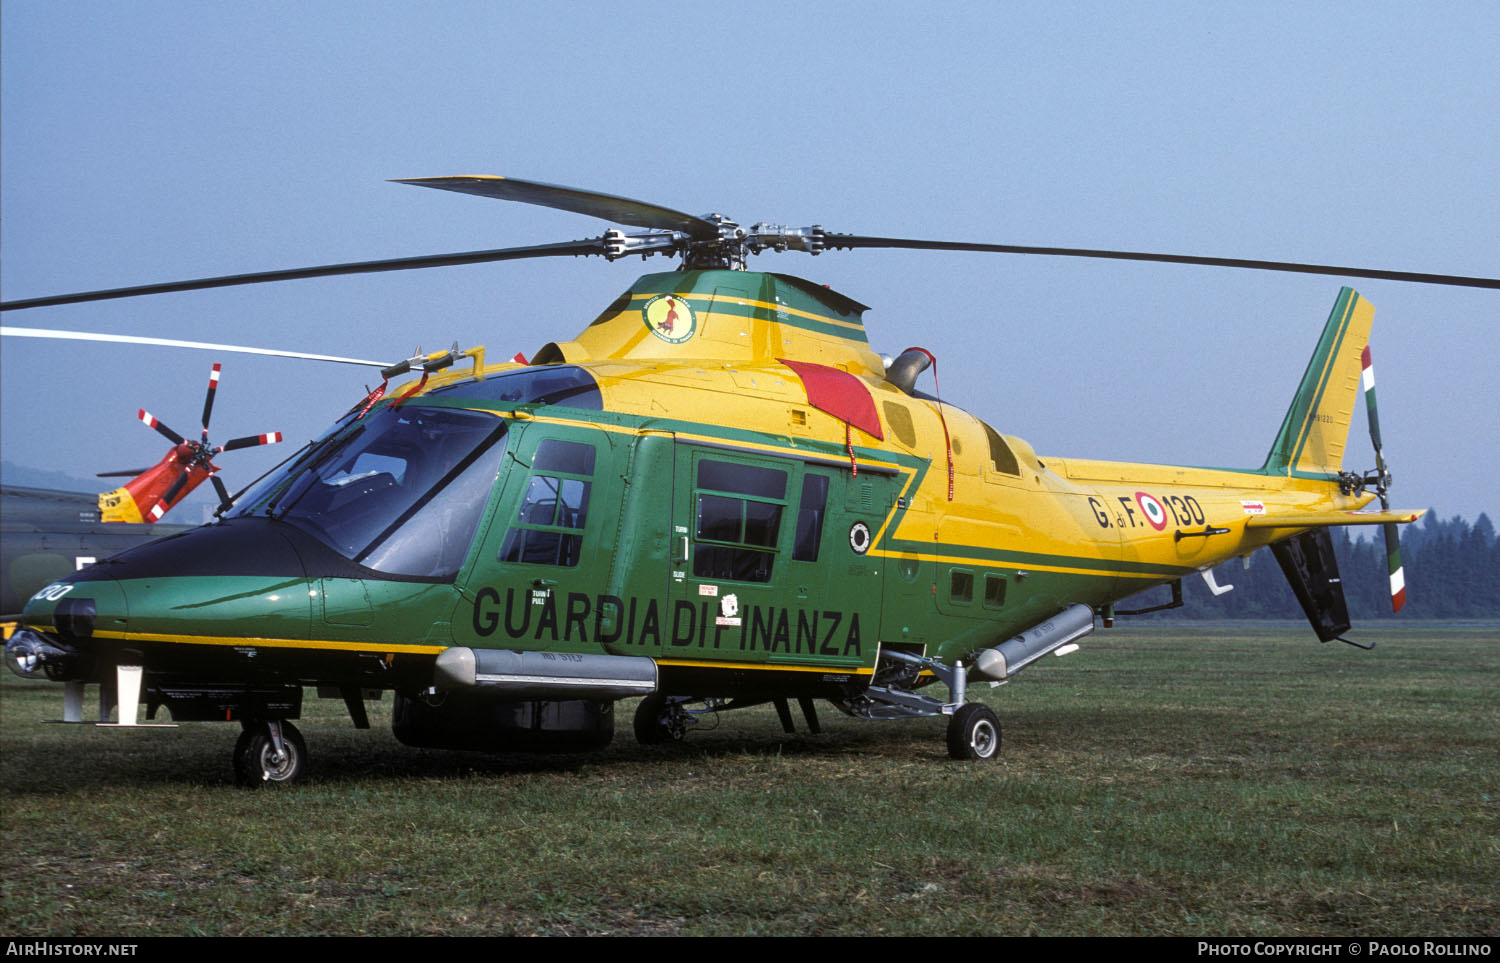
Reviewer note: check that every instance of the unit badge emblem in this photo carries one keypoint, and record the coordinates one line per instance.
(670, 318)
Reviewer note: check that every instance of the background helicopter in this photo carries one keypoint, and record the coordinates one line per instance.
(408, 496)
(152, 492)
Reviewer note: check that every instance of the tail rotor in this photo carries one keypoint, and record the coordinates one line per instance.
(1381, 480)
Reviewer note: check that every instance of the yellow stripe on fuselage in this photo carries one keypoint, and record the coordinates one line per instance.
(259, 643)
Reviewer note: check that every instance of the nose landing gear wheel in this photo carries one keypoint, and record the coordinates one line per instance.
(974, 733)
(257, 761)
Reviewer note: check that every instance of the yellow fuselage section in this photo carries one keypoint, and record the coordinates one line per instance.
(700, 355)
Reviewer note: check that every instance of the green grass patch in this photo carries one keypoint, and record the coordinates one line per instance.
(1164, 780)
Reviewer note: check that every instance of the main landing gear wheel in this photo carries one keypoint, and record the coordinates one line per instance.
(974, 733)
(256, 761)
(659, 719)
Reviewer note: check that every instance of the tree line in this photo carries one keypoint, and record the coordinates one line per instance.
(1452, 571)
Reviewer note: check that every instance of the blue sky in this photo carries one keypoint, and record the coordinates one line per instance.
(153, 141)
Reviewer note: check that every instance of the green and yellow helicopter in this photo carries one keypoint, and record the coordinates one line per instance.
(715, 495)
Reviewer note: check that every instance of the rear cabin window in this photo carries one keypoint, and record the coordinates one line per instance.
(548, 527)
(810, 512)
(738, 520)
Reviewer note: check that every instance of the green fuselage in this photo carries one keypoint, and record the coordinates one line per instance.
(486, 518)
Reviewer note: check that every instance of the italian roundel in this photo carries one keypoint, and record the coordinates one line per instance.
(1155, 514)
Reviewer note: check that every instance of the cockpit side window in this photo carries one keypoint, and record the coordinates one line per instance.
(548, 527)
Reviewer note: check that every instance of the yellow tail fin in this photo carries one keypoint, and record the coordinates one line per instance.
(1312, 438)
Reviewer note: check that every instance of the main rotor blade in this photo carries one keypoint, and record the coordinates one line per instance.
(165, 505)
(250, 441)
(13, 332)
(208, 401)
(151, 421)
(852, 241)
(575, 248)
(608, 207)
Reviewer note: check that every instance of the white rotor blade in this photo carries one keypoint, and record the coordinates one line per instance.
(13, 332)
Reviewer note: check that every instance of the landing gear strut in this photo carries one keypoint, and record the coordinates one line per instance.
(269, 752)
(973, 729)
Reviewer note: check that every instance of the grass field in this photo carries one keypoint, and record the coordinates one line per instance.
(1164, 780)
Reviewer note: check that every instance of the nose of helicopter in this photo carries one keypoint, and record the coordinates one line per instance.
(182, 598)
(58, 626)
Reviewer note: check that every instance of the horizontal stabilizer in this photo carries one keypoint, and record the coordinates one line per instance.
(1330, 519)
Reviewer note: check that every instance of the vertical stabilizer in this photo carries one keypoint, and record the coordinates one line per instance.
(1312, 438)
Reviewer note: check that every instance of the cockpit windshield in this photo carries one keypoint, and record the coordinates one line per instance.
(401, 491)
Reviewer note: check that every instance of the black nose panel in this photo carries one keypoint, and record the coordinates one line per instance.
(240, 547)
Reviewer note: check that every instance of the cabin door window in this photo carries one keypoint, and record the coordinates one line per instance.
(737, 517)
(547, 529)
